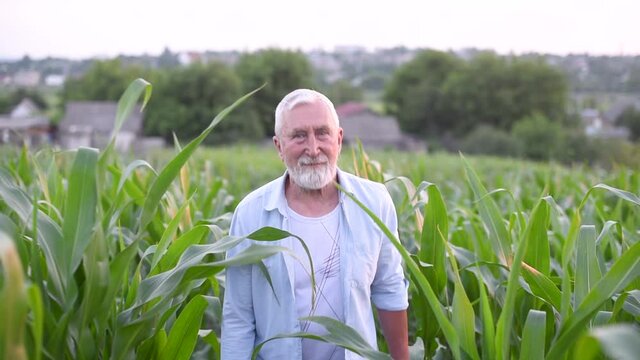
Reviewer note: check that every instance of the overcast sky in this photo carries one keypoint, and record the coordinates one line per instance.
(87, 28)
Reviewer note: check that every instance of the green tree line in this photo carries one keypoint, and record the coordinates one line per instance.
(185, 98)
(487, 104)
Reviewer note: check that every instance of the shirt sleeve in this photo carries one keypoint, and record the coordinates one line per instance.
(238, 321)
(389, 288)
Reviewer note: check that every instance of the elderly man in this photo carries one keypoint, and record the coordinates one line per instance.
(355, 264)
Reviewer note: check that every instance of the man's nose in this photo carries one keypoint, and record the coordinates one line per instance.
(313, 146)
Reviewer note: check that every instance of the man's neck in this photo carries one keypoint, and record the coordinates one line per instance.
(311, 202)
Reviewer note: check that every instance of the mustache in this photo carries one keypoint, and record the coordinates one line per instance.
(309, 160)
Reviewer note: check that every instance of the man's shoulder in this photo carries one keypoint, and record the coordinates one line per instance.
(372, 194)
(257, 198)
(354, 183)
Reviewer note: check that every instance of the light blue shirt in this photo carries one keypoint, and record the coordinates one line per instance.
(370, 269)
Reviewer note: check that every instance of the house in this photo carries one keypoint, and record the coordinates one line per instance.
(603, 124)
(90, 123)
(26, 78)
(592, 121)
(614, 111)
(374, 130)
(25, 124)
(54, 80)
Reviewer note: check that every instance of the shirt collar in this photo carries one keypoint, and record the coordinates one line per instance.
(276, 200)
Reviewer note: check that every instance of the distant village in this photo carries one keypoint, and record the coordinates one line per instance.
(600, 95)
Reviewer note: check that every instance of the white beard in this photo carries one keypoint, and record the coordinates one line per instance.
(312, 178)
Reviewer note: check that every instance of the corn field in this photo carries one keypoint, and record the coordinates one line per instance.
(107, 258)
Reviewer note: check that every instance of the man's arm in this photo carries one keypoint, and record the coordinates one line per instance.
(390, 289)
(394, 327)
(238, 322)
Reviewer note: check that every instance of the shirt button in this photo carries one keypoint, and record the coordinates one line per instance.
(354, 283)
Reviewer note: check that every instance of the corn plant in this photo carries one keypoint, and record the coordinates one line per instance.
(102, 258)
(105, 260)
(503, 281)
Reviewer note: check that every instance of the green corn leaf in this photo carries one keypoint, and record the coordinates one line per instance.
(172, 169)
(421, 281)
(130, 169)
(128, 101)
(337, 333)
(14, 197)
(620, 341)
(13, 302)
(542, 286)
(537, 223)
(211, 338)
(177, 248)
(167, 283)
(625, 195)
(24, 170)
(96, 285)
(184, 332)
(537, 254)
(120, 282)
(567, 255)
(462, 316)
(490, 214)
(416, 351)
(80, 211)
(167, 237)
(434, 232)
(463, 320)
(151, 348)
(126, 105)
(533, 336)
(48, 233)
(37, 324)
(488, 324)
(601, 318)
(632, 303)
(587, 267)
(623, 271)
(11, 231)
(269, 233)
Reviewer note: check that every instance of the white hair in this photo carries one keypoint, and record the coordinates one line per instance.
(298, 97)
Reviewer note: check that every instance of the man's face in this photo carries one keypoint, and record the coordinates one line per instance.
(309, 143)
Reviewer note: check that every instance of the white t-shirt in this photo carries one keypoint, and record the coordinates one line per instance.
(322, 237)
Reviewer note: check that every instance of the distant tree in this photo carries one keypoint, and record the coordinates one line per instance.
(415, 92)
(633, 80)
(11, 99)
(105, 80)
(589, 102)
(374, 81)
(282, 71)
(342, 91)
(438, 93)
(488, 140)
(498, 91)
(186, 100)
(539, 137)
(630, 118)
(5, 103)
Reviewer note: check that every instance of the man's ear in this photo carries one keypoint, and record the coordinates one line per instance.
(278, 145)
